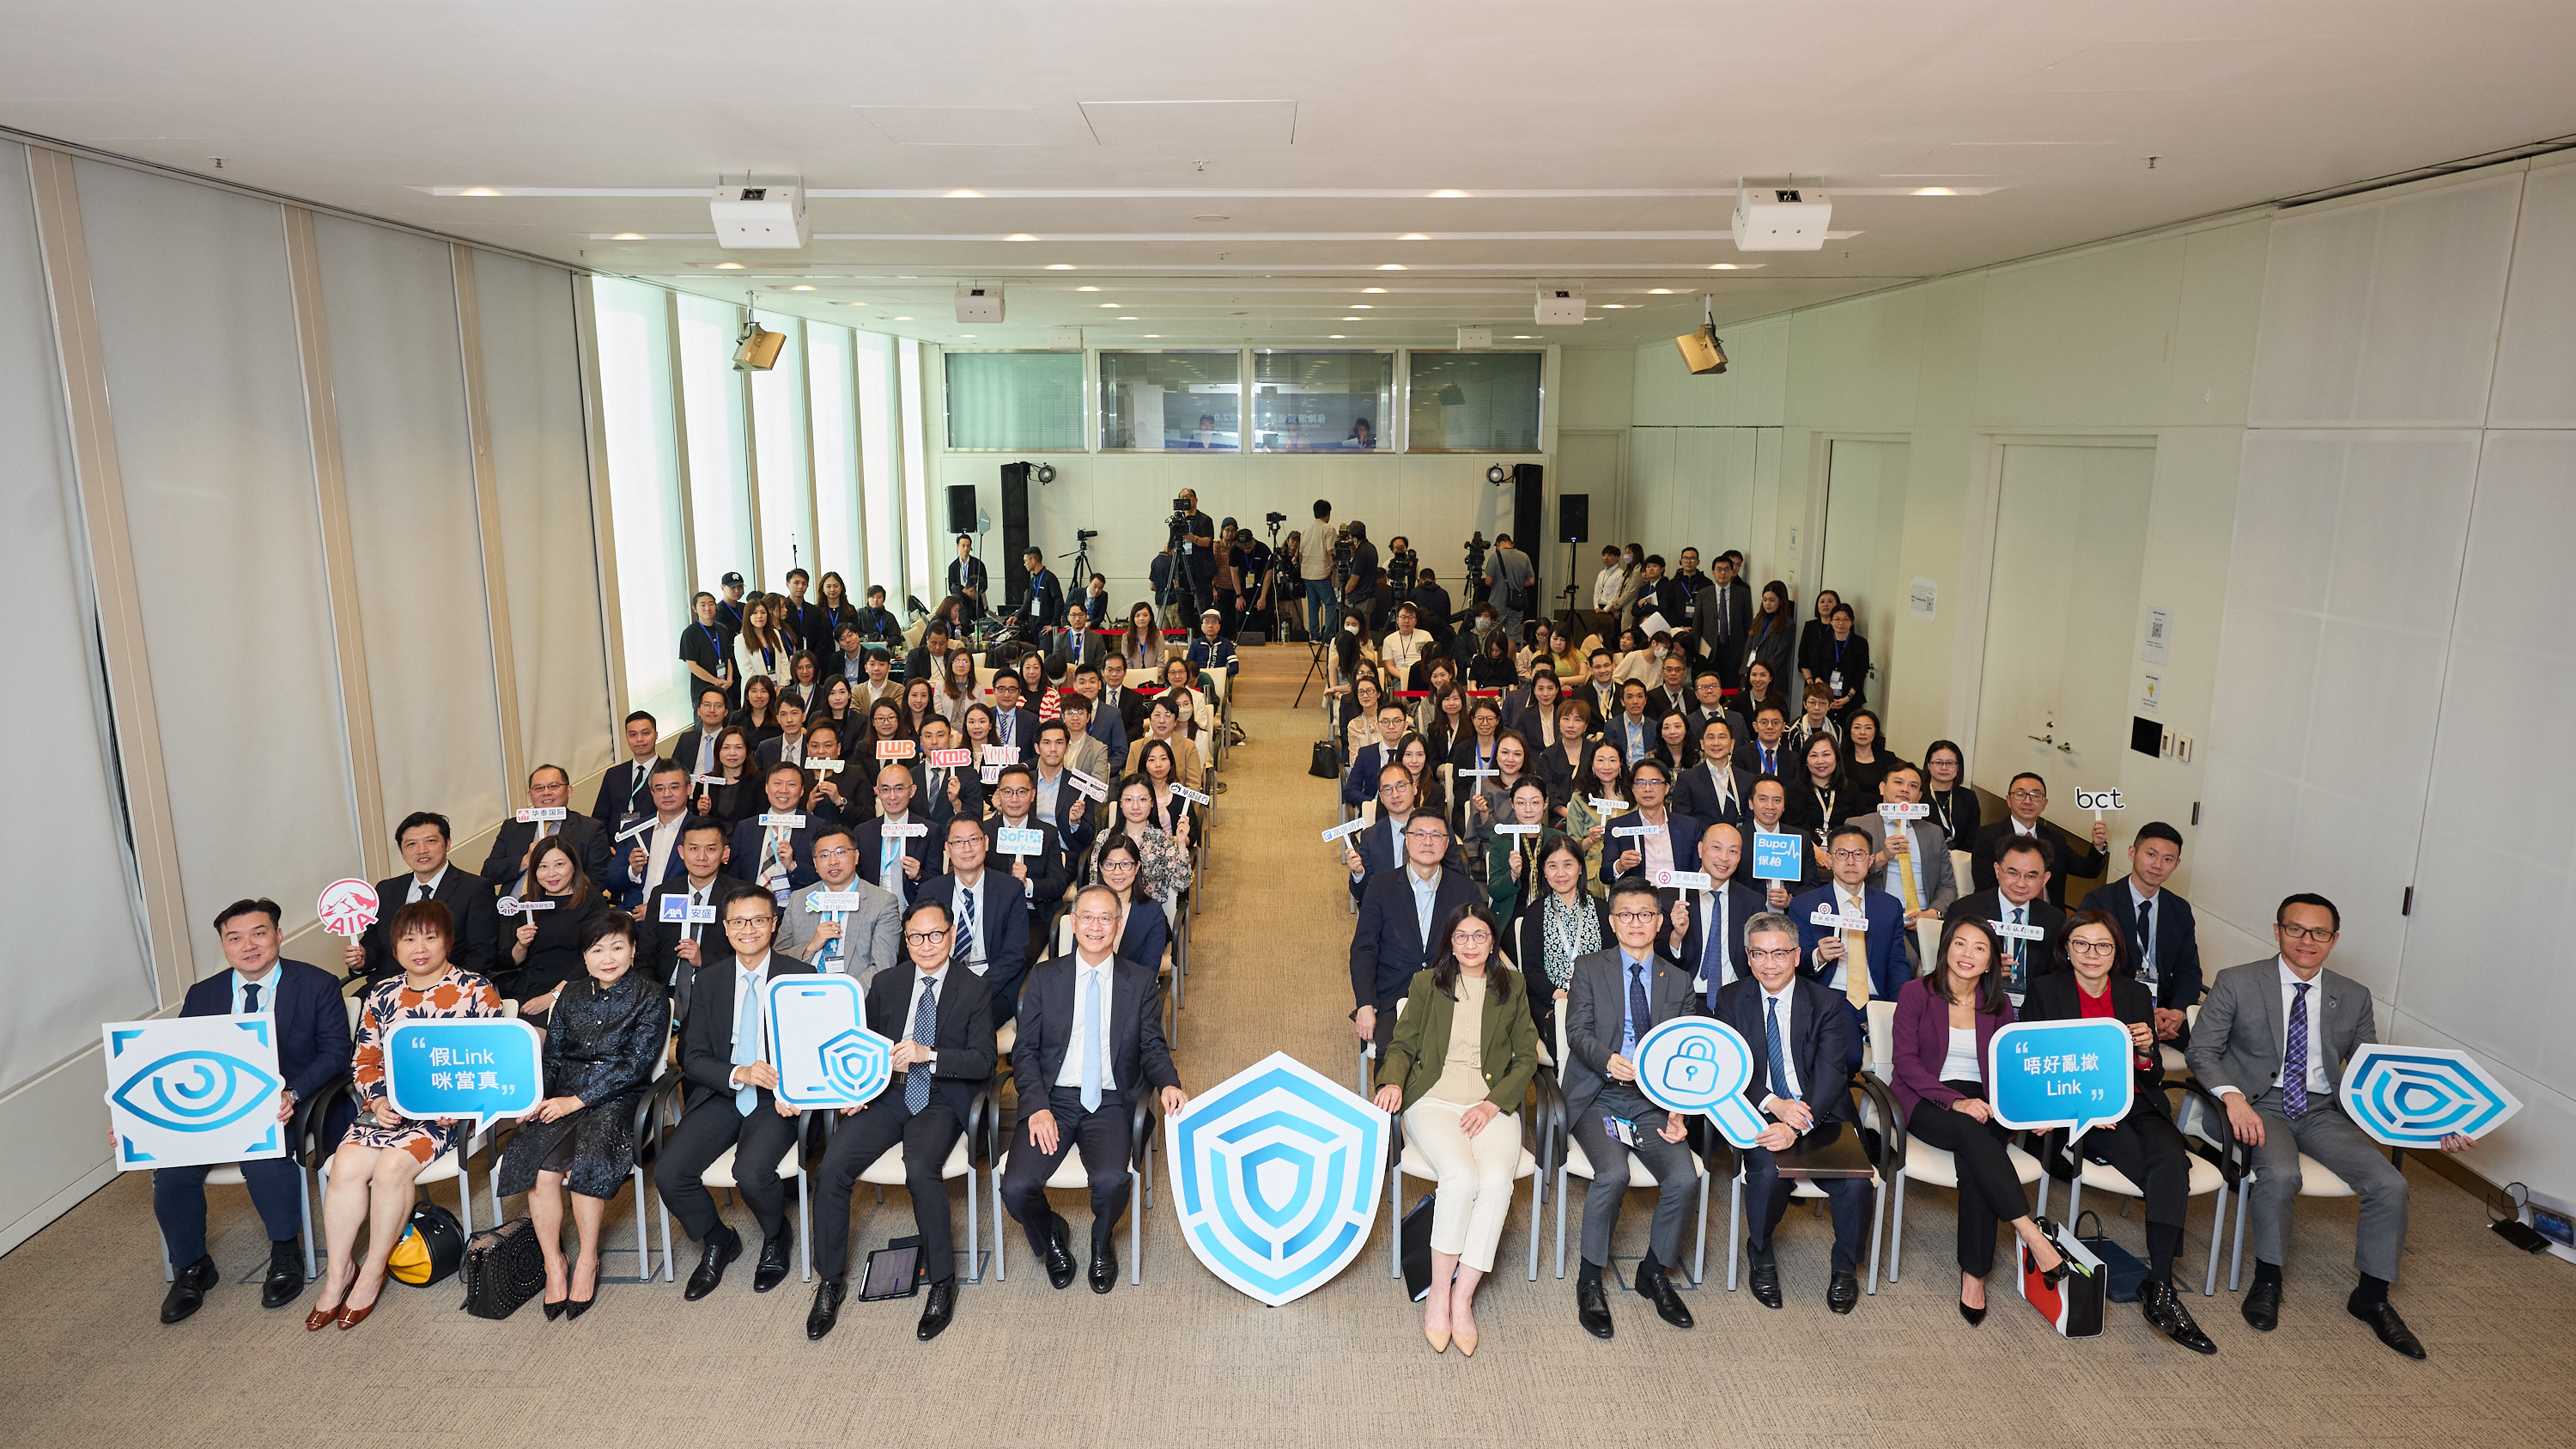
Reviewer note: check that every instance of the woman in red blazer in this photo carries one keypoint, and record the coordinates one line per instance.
(1943, 1024)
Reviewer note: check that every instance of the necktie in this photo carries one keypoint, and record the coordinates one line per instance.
(1856, 959)
(250, 997)
(2294, 1060)
(1639, 1013)
(634, 786)
(419, 890)
(965, 950)
(925, 1030)
(1779, 1061)
(746, 1040)
(2020, 918)
(773, 874)
(890, 863)
(706, 753)
(1088, 1027)
(2147, 943)
(1713, 961)
(1905, 870)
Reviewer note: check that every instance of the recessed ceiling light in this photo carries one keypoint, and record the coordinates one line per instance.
(903, 319)
(1372, 289)
(1721, 266)
(1086, 289)
(961, 191)
(1413, 236)
(478, 191)
(1211, 216)
(1523, 337)
(1112, 306)
(1613, 306)
(1390, 266)
(1449, 193)
(1659, 291)
(628, 236)
(1935, 191)
(1059, 266)
(1332, 337)
(1019, 236)
(800, 287)
(1153, 334)
(1354, 319)
(1126, 319)
(728, 266)
(966, 336)
(1363, 306)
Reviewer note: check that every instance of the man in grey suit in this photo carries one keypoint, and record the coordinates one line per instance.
(2271, 1042)
(1913, 865)
(1615, 998)
(859, 942)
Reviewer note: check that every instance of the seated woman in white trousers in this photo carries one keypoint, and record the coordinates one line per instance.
(1464, 1052)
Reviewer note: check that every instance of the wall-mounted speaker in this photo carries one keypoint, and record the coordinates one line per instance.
(961, 508)
(1015, 530)
(1574, 518)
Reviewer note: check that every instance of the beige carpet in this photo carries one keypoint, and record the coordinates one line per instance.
(1186, 1360)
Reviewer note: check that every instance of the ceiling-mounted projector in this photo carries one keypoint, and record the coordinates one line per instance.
(1781, 218)
(979, 304)
(761, 218)
(1560, 306)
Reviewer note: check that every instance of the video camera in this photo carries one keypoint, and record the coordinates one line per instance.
(1400, 568)
(1475, 548)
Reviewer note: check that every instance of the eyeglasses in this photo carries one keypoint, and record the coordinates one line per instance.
(1637, 918)
(2040, 796)
(1851, 855)
(748, 923)
(2093, 948)
(1472, 938)
(832, 852)
(2305, 933)
(1768, 958)
(925, 938)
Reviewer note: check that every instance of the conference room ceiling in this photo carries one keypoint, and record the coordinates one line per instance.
(1165, 173)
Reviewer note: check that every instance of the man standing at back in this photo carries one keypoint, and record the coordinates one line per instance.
(2163, 936)
(1508, 574)
(422, 841)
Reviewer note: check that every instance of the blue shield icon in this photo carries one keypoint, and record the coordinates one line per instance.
(819, 1037)
(1277, 1174)
(2416, 1096)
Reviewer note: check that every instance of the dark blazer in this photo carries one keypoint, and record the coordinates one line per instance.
(313, 1049)
(661, 940)
(1131, 706)
(1810, 872)
(1748, 759)
(621, 881)
(1049, 876)
(1743, 903)
(1137, 1054)
(1359, 783)
(1988, 906)
(1072, 817)
(869, 836)
(1661, 701)
(969, 573)
(1889, 966)
(1695, 795)
(554, 957)
(469, 896)
(706, 1041)
(770, 752)
(1817, 658)
(963, 1037)
(1922, 1042)
(1380, 851)
(684, 747)
(587, 837)
(745, 864)
(934, 806)
(1148, 933)
(2178, 978)
(2057, 998)
(1068, 651)
(1818, 1045)
(1684, 831)
(1386, 947)
(1024, 731)
(2066, 856)
(1593, 1015)
(1001, 928)
(622, 790)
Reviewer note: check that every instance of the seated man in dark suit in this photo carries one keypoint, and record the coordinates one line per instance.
(1090, 1041)
(1041, 872)
(312, 1053)
(988, 912)
(1766, 814)
(1708, 702)
(1767, 753)
(1716, 790)
(1860, 966)
(2024, 922)
(651, 856)
(680, 940)
(1359, 783)
(1074, 645)
(695, 748)
(621, 790)
(1803, 1043)
(2027, 796)
(422, 841)
(1616, 997)
(877, 624)
(1670, 841)
(2163, 936)
(1669, 692)
(1055, 799)
(1015, 726)
(1399, 910)
(1711, 938)
(549, 788)
(941, 1022)
(1127, 704)
(931, 783)
(724, 1053)
(827, 800)
(929, 658)
(897, 845)
(777, 858)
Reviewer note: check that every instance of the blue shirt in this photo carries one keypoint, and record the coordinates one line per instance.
(1426, 895)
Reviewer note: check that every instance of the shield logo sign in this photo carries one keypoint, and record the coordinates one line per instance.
(1277, 1174)
(2414, 1096)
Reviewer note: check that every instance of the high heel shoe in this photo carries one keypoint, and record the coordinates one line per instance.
(1976, 1316)
(322, 1318)
(1466, 1344)
(555, 1310)
(576, 1307)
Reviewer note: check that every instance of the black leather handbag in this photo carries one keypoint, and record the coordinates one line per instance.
(1325, 765)
(503, 1268)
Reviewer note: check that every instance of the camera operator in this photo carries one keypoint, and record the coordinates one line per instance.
(1315, 571)
(1258, 566)
(1194, 556)
(1431, 606)
(1043, 607)
(1401, 561)
(1365, 578)
(1508, 575)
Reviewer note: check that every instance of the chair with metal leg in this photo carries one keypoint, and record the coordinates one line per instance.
(1572, 1162)
(963, 1158)
(2213, 1172)
(1909, 1161)
(719, 1174)
(1072, 1176)
(1409, 1161)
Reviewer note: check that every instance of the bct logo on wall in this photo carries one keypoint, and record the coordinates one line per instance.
(1277, 1173)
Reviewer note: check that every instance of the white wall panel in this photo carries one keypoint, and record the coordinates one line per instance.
(637, 409)
(2535, 372)
(198, 325)
(398, 382)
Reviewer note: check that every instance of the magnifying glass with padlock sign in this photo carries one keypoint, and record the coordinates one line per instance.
(1699, 1064)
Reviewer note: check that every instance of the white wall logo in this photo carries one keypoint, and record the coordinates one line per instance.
(1277, 1174)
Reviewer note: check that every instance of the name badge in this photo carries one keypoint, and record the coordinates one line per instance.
(1915, 811)
(530, 815)
(894, 749)
(825, 767)
(1347, 827)
(1001, 754)
(709, 781)
(1518, 829)
(2022, 933)
(512, 905)
(1833, 920)
(951, 759)
(835, 901)
(1689, 880)
(1019, 841)
(906, 831)
(1195, 797)
(785, 822)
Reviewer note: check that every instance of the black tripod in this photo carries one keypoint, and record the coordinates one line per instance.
(1319, 640)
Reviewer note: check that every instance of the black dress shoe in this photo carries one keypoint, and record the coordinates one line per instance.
(936, 1313)
(1976, 1316)
(188, 1290)
(1104, 1267)
(2165, 1313)
(2262, 1307)
(285, 1281)
(711, 1264)
(1764, 1279)
(1059, 1253)
(773, 1259)
(827, 1306)
(1592, 1307)
(1669, 1306)
(2383, 1320)
(1843, 1294)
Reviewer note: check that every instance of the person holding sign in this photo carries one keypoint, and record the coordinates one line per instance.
(1651, 838)
(1802, 1045)
(989, 911)
(2271, 1042)
(1909, 858)
(731, 791)
(1513, 848)
(1711, 939)
(1943, 1024)
(941, 1022)
(1793, 863)
(2027, 796)
(312, 1033)
(686, 914)
(1598, 794)
(372, 1172)
(604, 1041)
(775, 850)
(1717, 788)
(1166, 870)
(895, 849)
(2021, 919)
(422, 841)
(1393, 938)
(2094, 980)
(1144, 931)
(549, 790)
(818, 926)
(1095, 736)
(648, 849)
(1854, 936)
(1057, 799)
(1031, 846)
(547, 939)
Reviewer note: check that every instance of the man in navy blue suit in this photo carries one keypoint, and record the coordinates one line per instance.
(1803, 1044)
(1863, 965)
(621, 790)
(2164, 939)
(777, 858)
(312, 1053)
(1359, 784)
(988, 915)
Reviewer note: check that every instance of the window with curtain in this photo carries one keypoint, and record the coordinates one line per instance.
(1015, 401)
(1159, 400)
(881, 477)
(839, 545)
(778, 435)
(711, 403)
(1308, 402)
(1473, 402)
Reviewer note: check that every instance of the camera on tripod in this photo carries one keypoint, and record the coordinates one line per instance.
(1475, 548)
(1401, 564)
(1085, 535)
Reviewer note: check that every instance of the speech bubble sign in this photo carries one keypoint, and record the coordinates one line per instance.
(820, 1042)
(1777, 857)
(190, 1090)
(347, 907)
(2415, 1096)
(484, 1068)
(1700, 1064)
(2074, 1074)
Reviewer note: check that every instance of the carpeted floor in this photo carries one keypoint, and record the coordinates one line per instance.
(1186, 1360)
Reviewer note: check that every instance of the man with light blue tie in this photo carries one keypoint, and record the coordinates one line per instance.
(990, 912)
(725, 1056)
(1091, 1039)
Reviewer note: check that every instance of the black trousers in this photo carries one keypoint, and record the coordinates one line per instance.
(2148, 1150)
(1989, 1190)
(179, 1202)
(759, 1142)
(1766, 1201)
(857, 1142)
(1102, 1136)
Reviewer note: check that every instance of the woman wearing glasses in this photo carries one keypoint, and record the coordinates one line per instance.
(1462, 1059)
(1143, 929)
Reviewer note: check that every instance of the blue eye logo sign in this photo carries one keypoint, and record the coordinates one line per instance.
(2073, 1074)
(1699, 1064)
(481, 1068)
(193, 1090)
(819, 1038)
(2416, 1096)
(1277, 1173)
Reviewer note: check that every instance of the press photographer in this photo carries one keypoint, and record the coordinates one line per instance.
(1192, 544)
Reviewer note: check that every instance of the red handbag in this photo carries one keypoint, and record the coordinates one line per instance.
(2070, 1297)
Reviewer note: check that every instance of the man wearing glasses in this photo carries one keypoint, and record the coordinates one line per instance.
(1854, 937)
(1615, 998)
(2024, 922)
(889, 857)
(941, 1022)
(1398, 912)
(725, 1056)
(2027, 796)
(858, 942)
(2271, 1042)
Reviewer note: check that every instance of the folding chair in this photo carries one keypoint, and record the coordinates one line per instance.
(1878, 1105)
(1409, 1161)
(1911, 1161)
(1572, 1162)
(973, 1149)
(2211, 1172)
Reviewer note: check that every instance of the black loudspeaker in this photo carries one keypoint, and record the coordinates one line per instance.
(1574, 518)
(1529, 505)
(1015, 530)
(961, 508)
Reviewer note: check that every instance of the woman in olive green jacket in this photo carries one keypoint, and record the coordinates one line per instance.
(1462, 1059)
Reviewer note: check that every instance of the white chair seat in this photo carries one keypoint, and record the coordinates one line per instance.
(2171, 1060)
(719, 1173)
(1006, 1038)
(1070, 1173)
(2318, 1180)
(887, 1170)
(227, 1175)
(2101, 1176)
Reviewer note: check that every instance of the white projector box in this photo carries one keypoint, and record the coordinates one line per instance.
(1781, 218)
(761, 218)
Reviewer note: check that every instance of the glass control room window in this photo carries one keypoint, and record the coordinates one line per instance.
(1474, 402)
(1017, 402)
(1172, 400)
(1319, 402)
